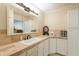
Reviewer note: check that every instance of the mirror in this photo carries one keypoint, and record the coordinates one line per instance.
(24, 26)
(29, 26)
(18, 26)
(32, 25)
(19, 23)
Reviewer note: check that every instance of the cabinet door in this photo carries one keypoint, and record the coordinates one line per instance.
(10, 18)
(62, 46)
(32, 51)
(32, 25)
(72, 18)
(23, 53)
(41, 49)
(73, 41)
(29, 52)
(46, 47)
(52, 45)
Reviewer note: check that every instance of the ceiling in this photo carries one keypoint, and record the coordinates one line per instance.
(49, 6)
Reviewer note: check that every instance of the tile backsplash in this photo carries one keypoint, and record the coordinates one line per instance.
(7, 39)
(57, 32)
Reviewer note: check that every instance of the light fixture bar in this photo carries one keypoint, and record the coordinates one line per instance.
(26, 8)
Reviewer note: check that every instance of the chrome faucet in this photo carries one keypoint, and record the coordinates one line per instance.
(29, 37)
(23, 38)
(26, 37)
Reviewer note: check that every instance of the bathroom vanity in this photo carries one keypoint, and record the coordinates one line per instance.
(38, 46)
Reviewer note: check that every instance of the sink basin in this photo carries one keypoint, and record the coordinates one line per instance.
(29, 41)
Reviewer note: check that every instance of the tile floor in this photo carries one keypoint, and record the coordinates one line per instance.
(56, 54)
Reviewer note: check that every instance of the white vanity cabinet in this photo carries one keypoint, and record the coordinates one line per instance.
(46, 47)
(32, 51)
(23, 53)
(62, 46)
(41, 49)
(52, 45)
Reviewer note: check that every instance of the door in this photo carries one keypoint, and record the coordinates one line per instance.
(72, 18)
(73, 41)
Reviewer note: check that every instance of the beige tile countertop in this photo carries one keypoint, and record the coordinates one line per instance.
(16, 47)
(13, 48)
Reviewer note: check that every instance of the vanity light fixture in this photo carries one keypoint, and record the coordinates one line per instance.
(26, 8)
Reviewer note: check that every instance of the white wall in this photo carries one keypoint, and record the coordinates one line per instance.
(56, 19)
